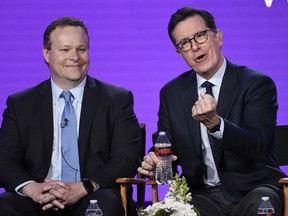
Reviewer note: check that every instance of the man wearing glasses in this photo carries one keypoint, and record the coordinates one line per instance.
(220, 118)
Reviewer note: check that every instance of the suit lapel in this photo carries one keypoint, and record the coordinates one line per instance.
(90, 102)
(46, 119)
(228, 91)
(189, 96)
(227, 95)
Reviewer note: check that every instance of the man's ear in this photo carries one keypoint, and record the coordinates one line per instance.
(219, 36)
(45, 53)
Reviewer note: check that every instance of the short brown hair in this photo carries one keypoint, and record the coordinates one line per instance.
(63, 21)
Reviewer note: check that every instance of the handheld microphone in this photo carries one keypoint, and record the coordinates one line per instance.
(65, 123)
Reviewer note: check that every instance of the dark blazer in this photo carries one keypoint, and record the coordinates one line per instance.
(109, 135)
(245, 157)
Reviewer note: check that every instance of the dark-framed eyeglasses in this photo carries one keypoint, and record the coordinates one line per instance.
(199, 37)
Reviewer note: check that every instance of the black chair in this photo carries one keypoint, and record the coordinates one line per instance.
(281, 139)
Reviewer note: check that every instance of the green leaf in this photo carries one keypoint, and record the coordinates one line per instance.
(162, 212)
(197, 212)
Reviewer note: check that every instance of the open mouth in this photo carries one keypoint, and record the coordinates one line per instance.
(199, 58)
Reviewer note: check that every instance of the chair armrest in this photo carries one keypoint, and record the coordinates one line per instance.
(284, 181)
(151, 182)
(124, 182)
(130, 180)
(154, 185)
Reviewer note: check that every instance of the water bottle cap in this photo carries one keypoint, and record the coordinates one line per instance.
(265, 198)
(93, 201)
(162, 133)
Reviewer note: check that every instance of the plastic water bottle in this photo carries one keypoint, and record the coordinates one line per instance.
(163, 151)
(93, 209)
(265, 208)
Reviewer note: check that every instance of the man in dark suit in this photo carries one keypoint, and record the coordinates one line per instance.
(30, 143)
(222, 131)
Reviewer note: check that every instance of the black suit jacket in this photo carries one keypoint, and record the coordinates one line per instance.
(245, 157)
(109, 135)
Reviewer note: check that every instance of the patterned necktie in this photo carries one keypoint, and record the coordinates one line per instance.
(69, 142)
(208, 160)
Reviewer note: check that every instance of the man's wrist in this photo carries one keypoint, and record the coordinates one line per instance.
(19, 188)
(89, 185)
(215, 127)
(25, 189)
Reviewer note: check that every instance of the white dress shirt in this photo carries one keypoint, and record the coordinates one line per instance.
(216, 80)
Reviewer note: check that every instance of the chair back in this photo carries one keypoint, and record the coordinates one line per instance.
(281, 141)
(143, 138)
(143, 144)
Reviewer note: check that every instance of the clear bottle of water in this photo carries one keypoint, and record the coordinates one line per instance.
(265, 208)
(164, 173)
(93, 209)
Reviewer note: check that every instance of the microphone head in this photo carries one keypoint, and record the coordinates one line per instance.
(64, 123)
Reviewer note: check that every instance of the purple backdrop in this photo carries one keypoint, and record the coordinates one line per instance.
(130, 45)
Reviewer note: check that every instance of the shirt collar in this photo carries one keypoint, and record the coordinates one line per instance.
(76, 91)
(216, 79)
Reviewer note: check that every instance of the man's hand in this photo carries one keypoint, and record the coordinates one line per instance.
(148, 165)
(55, 194)
(66, 193)
(40, 193)
(57, 189)
(75, 193)
(204, 111)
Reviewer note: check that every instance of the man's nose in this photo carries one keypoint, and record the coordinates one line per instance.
(194, 45)
(74, 55)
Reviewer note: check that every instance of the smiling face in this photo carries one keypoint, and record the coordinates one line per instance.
(204, 58)
(68, 58)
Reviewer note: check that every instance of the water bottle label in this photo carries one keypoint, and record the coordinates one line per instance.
(163, 151)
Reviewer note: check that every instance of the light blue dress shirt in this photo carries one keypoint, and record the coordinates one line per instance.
(54, 172)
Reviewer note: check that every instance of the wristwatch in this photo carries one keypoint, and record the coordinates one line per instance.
(215, 127)
(89, 187)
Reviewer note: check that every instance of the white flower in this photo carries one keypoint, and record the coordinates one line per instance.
(175, 203)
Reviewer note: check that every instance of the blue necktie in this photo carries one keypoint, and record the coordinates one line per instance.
(69, 141)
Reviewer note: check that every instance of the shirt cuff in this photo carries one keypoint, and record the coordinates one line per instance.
(218, 134)
(18, 189)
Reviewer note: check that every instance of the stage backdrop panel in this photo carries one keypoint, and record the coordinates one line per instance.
(130, 46)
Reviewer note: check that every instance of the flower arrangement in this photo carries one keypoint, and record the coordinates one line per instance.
(175, 203)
